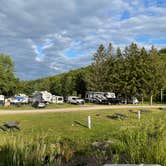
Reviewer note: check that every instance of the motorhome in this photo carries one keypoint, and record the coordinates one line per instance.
(101, 97)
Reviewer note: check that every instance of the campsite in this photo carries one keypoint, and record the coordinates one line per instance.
(71, 120)
(81, 118)
(83, 83)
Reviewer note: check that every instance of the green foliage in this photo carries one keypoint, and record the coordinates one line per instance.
(146, 144)
(162, 54)
(97, 75)
(8, 82)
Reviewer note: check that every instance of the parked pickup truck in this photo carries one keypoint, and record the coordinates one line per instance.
(75, 100)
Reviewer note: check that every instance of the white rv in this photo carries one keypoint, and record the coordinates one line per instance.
(19, 99)
(47, 96)
(44, 95)
(39, 99)
(2, 99)
(57, 99)
(101, 97)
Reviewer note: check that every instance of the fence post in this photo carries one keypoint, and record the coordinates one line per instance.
(89, 122)
(139, 114)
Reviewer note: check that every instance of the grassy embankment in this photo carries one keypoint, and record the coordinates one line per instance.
(63, 138)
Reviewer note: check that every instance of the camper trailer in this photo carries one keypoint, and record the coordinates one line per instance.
(40, 98)
(2, 100)
(101, 97)
(57, 99)
(19, 99)
(43, 96)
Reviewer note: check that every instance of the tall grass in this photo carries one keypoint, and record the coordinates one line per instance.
(145, 143)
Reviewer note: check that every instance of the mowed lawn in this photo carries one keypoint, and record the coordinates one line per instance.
(73, 125)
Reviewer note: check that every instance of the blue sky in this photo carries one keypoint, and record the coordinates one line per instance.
(50, 37)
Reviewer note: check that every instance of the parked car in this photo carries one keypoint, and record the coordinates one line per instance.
(75, 100)
(38, 104)
(134, 100)
(131, 100)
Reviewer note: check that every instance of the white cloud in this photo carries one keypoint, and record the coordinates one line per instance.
(37, 33)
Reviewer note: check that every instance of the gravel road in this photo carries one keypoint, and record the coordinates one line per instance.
(80, 108)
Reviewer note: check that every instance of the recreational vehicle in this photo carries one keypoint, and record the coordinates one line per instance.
(57, 99)
(40, 99)
(2, 99)
(19, 99)
(101, 97)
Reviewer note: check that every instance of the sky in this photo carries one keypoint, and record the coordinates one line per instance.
(49, 37)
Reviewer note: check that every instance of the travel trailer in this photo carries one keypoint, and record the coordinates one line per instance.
(43, 96)
(19, 99)
(57, 99)
(2, 99)
(40, 99)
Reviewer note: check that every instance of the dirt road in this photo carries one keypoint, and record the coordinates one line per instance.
(80, 108)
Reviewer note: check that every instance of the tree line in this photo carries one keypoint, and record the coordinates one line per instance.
(132, 71)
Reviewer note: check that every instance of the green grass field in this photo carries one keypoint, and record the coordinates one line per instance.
(72, 126)
(61, 124)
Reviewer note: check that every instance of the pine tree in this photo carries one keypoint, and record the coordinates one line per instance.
(118, 70)
(142, 66)
(154, 73)
(110, 70)
(96, 77)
